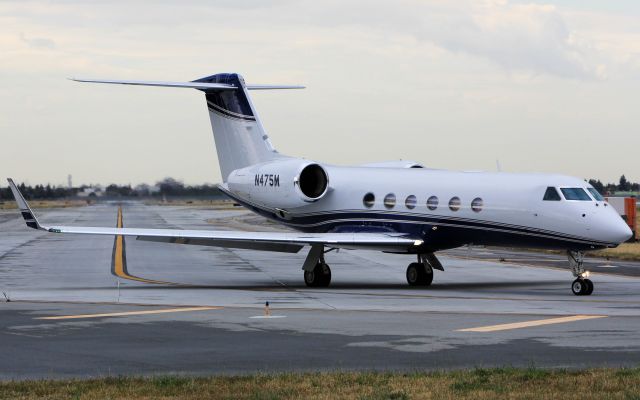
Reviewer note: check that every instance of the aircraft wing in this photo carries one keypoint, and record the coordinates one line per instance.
(268, 241)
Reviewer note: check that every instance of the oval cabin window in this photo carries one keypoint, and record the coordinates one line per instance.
(432, 203)
(476, 204)
(454, 203)
(410, 202)
(369, 200)
(390, 200)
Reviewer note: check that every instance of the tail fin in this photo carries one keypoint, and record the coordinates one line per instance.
(240, 138)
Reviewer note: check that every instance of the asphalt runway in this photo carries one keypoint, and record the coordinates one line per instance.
(69, 316)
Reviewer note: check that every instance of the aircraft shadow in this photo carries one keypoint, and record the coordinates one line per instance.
(436, 287)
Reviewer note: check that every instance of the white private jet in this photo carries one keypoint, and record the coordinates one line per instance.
(396, 207)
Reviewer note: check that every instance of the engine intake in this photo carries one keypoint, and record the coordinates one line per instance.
(313, 181)
(283, 184)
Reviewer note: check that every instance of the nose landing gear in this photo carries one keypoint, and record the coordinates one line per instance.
(582, 286)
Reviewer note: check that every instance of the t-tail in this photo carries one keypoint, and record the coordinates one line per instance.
(240, 138)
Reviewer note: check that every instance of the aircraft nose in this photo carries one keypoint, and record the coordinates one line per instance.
(620, 231)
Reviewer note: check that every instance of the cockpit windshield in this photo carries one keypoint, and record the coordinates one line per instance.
(575, 194)
(551, 194)
(596, 195)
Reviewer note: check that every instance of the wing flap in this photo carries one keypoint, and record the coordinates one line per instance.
(229, 244)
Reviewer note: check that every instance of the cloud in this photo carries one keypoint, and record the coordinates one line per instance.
(519, 37)
(38, 42)
(533, 38)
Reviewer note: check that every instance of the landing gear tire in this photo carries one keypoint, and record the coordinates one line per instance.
(413, 274)
(319, 277)
(419, 274)
(582, 287)
(589, 287)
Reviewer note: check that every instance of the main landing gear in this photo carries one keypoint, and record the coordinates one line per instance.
(421, 273)
(316, 272)
(320, 276)
(582, 286)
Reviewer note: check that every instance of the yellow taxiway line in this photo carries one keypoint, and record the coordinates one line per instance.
(529, 324)
(119, 261)
(127, 313)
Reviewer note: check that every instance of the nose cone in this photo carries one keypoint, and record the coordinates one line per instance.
(619, 231)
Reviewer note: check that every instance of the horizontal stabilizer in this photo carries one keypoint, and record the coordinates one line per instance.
(191, 85)
(270, 87)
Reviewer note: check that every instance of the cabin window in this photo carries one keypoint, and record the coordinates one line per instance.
(575, 194)
(476, 204)
(390, 200)
(454, 203)
(410, 202)
(369, 200)
(432, 203)
(551, 194)
(596, 195)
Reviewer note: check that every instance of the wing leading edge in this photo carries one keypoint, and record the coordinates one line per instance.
(267, 241)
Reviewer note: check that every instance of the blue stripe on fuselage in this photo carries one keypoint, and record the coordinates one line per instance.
(448, 232)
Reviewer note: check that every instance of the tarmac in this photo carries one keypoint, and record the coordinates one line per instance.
(181, 309)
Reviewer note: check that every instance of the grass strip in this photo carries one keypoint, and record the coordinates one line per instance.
(626, 251)
(499, 383)
(38, 204)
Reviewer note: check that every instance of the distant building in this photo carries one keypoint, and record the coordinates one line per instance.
(146, 190)
(89, 192)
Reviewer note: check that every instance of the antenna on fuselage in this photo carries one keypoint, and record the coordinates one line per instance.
(498, 166)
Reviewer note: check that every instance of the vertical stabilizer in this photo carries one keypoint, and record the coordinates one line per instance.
(240, 138)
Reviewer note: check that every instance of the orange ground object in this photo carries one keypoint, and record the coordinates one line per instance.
(630, 211)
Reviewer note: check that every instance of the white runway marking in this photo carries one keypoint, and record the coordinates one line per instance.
(268, 316)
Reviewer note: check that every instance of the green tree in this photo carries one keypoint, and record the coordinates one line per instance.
(599, 186)
(624, 185)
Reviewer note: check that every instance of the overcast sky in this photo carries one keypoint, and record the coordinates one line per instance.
(542, 86)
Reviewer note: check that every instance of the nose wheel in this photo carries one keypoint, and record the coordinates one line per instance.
(582, 287)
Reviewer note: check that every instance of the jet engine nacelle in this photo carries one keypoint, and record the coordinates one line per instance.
(286, 184)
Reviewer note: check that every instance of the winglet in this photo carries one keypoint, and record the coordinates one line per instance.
(25, 210)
